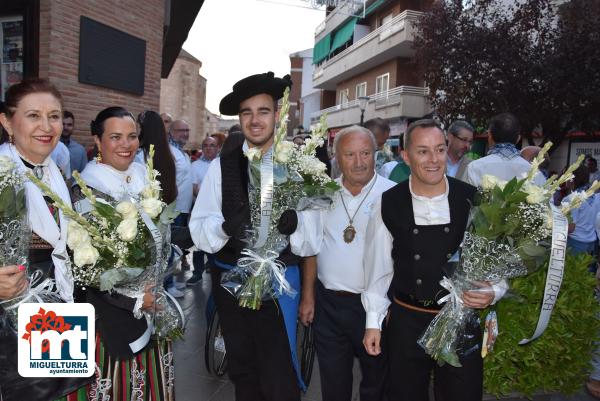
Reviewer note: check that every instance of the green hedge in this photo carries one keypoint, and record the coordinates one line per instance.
(558, 361)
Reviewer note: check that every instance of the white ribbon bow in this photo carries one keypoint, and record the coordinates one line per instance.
(258, 265)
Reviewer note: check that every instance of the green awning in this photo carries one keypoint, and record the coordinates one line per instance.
(373, 7)
(321, 50)
(343, 34)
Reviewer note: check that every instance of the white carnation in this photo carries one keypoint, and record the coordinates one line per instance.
(85, 254)
(76, 235)
(253, 154)
(152, 207)
(535, 194)
(127, 210)
(488, 182)
(127, 229)
(284, 151)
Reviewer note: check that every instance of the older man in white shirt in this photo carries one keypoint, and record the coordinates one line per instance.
(503, 160)
(178, 137)
(415, 229)
(338, 312)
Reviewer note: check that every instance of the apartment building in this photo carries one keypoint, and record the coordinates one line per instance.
(366, 50)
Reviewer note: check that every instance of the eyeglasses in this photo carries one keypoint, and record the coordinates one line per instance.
(463, 140)
(182, 130)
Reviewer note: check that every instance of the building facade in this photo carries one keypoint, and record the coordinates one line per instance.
(309, 100)
(369, 52)
(183, 95)
(98, 54)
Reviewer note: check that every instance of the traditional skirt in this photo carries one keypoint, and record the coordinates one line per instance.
(147, 376)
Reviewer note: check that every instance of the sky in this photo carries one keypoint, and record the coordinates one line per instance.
(237, 38)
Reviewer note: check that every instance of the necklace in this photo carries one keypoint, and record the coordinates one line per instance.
(350, 231)
(38, 169)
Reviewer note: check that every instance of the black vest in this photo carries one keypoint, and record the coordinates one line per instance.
(234, 191)
(421, 253)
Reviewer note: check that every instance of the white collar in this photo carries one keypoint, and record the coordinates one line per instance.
(364, 189)
(426, 198)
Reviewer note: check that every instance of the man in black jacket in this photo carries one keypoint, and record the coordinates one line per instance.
(260, 343)
(415, 228)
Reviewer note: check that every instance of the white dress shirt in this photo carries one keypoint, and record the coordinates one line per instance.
(183, 167)
(339, 263)
(584, 217)
(199, 169)
(378, 263)
(500, 167)
(206, 220)
(62, 158)
(451, 167)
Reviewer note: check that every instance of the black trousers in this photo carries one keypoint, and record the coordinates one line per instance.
(259, 360)
(339, 327)
(411, 368)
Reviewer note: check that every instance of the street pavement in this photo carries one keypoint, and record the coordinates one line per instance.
(194, 383)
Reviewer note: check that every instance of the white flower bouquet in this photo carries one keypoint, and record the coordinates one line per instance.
(287, 177)
(15, 236)
(124, 247)
(509, 235)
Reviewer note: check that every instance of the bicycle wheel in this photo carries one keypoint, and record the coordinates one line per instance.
(215, 354)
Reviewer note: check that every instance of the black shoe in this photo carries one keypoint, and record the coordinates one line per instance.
(195, 279)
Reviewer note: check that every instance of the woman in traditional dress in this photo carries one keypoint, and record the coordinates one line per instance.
(32, 122)
(131, 365)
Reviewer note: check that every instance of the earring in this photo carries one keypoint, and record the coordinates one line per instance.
(11, 140)
(99, 157)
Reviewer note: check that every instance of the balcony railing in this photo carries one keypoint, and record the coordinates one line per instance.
(391, 27)
(381, 99)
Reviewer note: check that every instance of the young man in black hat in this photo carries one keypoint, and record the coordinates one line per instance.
(261, 350)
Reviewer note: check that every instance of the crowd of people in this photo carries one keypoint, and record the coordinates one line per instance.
(369, 266)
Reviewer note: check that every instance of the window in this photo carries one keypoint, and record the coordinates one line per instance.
(361, 90)
(11, 58)
(386, 19)
(344, 96)
(382, 83)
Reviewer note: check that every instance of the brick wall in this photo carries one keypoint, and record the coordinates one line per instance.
(59, 54)
(183, 95)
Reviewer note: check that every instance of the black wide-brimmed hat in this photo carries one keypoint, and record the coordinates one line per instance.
(252, 86)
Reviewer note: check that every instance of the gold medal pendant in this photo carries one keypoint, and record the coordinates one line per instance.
(349, 234)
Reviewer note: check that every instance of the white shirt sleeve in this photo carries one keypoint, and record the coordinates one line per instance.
(207, 217)
(306, 240)
(470, 175)
(379, 269)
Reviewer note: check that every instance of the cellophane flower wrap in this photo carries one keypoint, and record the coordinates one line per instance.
(508, 235)
(299, 182)
(15, 237)
(124, 246)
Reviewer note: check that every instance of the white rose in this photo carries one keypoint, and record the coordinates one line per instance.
(152, 206)
(284, 151)
(85, 254)
(253, 154)
(127, 229)
(6, 164)
(535, 194)
(76, 235)
(127, 210)
(488, 182)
